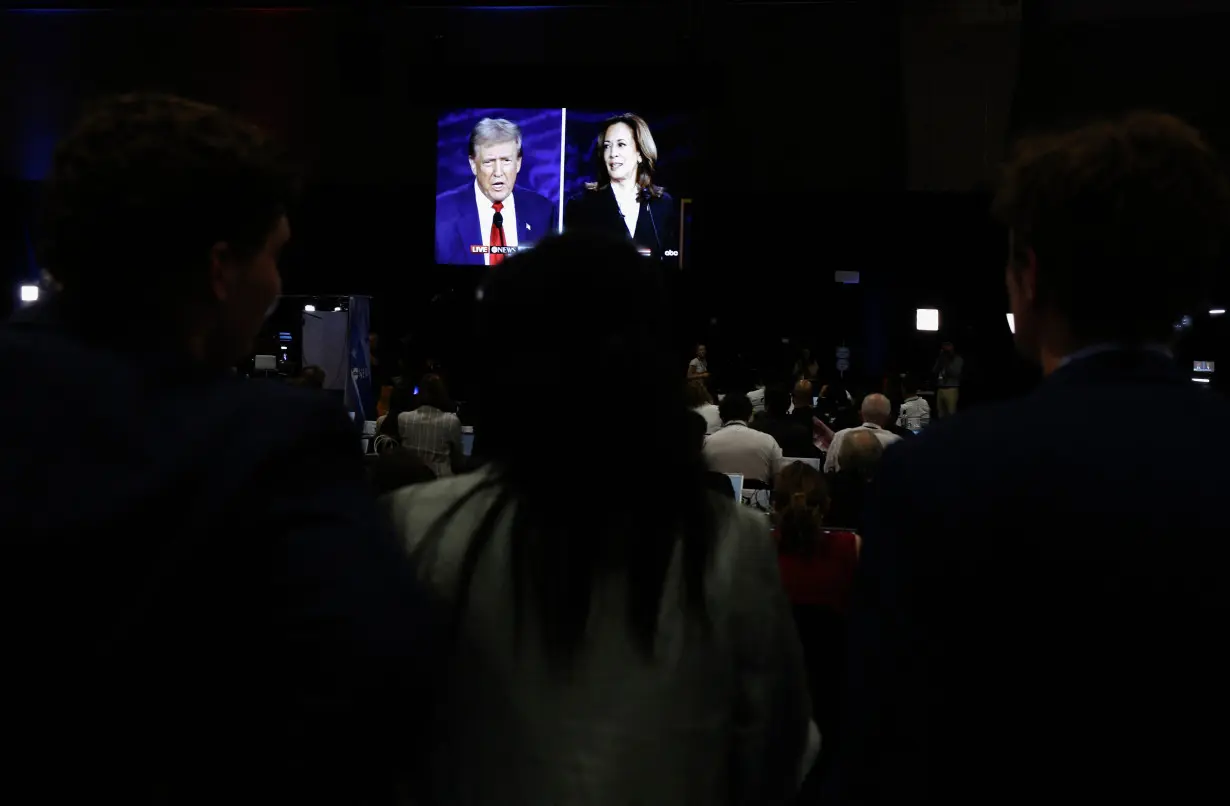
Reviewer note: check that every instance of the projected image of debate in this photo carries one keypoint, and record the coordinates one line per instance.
(505, 178)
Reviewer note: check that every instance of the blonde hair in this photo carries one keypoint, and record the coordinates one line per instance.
(645, 146)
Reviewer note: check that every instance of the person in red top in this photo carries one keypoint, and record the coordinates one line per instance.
(817, 567)
(817, 564)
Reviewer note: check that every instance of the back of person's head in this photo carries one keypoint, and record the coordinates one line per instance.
(575, 301)
(876, 409)
(735, 407)
(776, 400)
(432, 392)
(1143, 197)
(696, 395)
(174, 201)
(800, 502)
(401, 399)
(909, 385)
(861, 453)
(802, 395)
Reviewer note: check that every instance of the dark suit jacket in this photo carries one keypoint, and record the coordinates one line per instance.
(198, 596)
(657, 227)
(1045, 586)
(458, 226)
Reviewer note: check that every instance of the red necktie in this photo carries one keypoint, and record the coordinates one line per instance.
(497, 234)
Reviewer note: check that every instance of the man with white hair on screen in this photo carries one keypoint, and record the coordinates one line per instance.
(480, 221)
(876, 412)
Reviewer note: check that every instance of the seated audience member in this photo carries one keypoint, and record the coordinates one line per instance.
(817, 564)
(699, 401)
(795, 439)
(737, 448)
(817, 567)
(388, 429)
(757, 398)
(613, 645)
(394, 468)
(216, 607)
(836, 407)
(861, 452)
(915, 410)
(974, 646)
(718, 482)
(432, 431)
(877, 413)
(803, 404)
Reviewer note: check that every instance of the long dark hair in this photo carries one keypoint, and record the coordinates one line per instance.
(645, 146)
(401, 399)
(573, 526)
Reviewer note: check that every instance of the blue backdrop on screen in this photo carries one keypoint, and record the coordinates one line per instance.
(540, 145)
(672, 133)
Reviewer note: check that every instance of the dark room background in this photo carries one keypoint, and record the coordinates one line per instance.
(845, 136)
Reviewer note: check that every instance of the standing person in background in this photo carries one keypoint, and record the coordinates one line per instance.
(212, 606)
(608, 649)
(806, 368)
(947, 371)
(698, 367)
(975, 652)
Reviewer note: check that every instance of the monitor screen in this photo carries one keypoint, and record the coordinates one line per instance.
(736, 481)
(506, 178)
(1202, 366)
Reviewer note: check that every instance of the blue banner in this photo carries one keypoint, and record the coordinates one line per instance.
(359, 397)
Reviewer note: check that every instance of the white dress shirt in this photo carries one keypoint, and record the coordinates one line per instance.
(629, 208)
(832, 459)
(915, 413)
(486, 215)
(739, 449)
(434, 435)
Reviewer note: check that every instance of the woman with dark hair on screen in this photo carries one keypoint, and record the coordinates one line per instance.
(613, 643)
(624, 201)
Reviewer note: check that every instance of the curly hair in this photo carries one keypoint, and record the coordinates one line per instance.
(146, 184)
(1125, 218)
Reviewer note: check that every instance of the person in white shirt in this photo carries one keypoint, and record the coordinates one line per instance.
(431, 431)
(737, 448)
(915, 411)
(607, 649)
(698, 367)
(876, 412)
(699, 401)
(757, 398)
